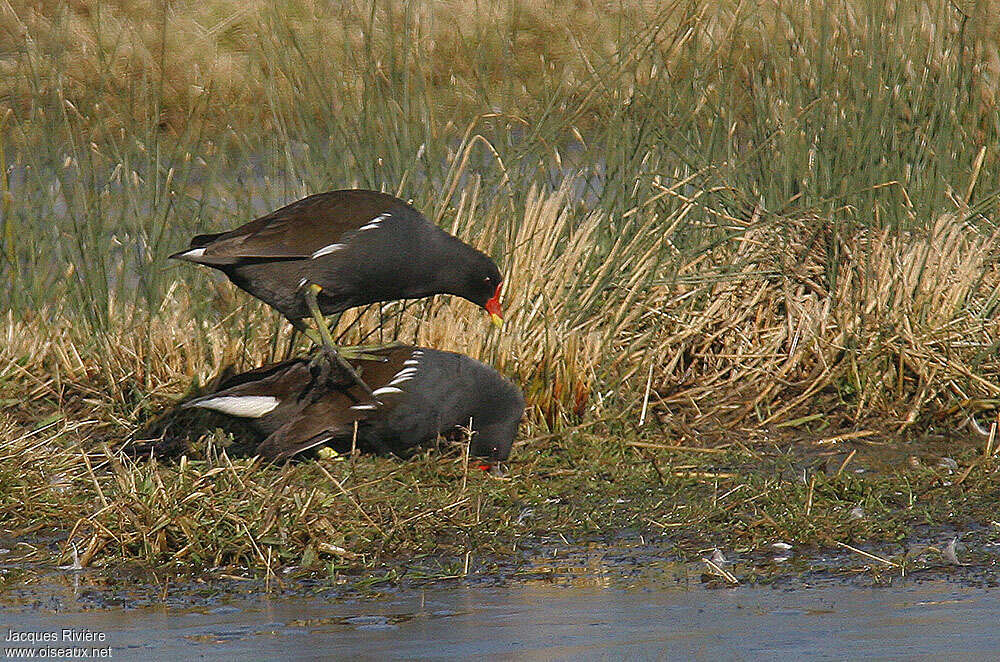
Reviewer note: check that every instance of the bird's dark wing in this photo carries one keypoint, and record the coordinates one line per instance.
(315, 425)
(268, 379)
(334, 415)
(317, 225)
(271, 394)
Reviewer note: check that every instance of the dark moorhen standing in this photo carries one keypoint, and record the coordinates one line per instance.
(337, 250)
(419, 394)
(358, 246)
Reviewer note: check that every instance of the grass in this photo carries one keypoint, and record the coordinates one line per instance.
(366, 516)
(719, 223)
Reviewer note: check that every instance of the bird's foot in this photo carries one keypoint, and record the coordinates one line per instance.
(368, 352)
(310, 290)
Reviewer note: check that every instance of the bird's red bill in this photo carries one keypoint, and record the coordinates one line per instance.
(493, 305)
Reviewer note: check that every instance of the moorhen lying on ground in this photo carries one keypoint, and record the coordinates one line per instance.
(419, 394)
(337, 250)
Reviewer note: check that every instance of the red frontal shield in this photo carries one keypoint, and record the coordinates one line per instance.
(493, 307)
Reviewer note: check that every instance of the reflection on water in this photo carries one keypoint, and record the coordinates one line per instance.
(539, 620)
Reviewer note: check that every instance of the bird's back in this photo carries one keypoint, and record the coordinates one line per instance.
(359, 246)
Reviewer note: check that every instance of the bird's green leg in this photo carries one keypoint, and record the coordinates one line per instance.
(362, 351)
(326, 341)
(304, 329)
(348, 352)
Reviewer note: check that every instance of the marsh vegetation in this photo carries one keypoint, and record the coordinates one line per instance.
(724, 226)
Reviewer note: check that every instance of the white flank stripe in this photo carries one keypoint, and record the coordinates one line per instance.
(412, 362)
(247, 406)
(194, 252)
(364, 407)
(386, 390)
(405, 376)
(374, 223)
(326, 250)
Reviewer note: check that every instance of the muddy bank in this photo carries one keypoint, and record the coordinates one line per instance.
(626, 560)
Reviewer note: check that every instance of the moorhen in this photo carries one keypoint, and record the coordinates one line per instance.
(419, 394)
(337, 250)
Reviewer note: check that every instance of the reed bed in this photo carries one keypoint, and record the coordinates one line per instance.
(716, 222)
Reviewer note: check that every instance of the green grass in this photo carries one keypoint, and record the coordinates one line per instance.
(725, 217)
(367, 515)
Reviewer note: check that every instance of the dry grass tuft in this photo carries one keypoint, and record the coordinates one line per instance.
(903, 331)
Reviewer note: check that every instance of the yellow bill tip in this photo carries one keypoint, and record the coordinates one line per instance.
(496, 319)
(326, 453)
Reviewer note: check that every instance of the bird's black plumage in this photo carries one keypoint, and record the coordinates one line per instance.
(359, 246)
(419, 393)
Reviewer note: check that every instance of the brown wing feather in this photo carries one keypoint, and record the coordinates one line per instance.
(333, 415)
(316, 424)
(298, 230)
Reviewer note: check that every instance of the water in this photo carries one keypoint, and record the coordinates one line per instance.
(932, 619)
